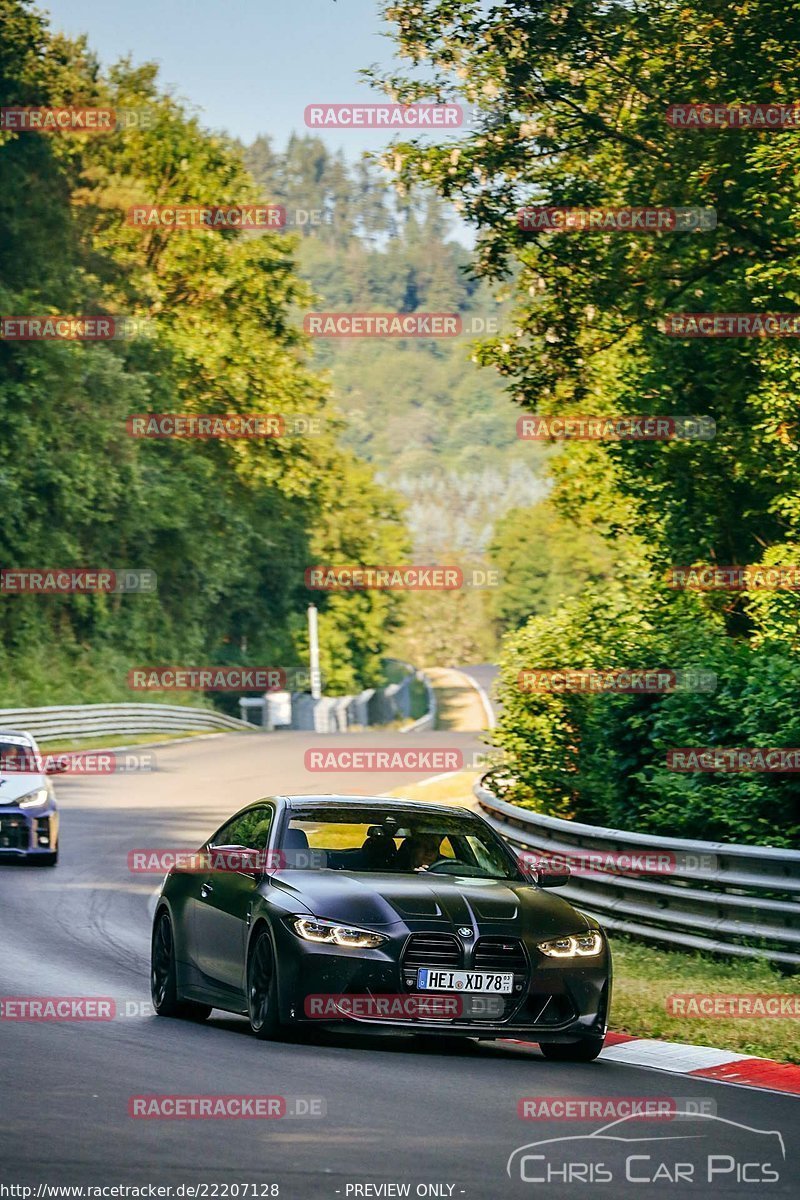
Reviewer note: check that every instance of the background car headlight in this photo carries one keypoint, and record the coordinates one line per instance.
(314, 930)
(36, 799)
(581, 945)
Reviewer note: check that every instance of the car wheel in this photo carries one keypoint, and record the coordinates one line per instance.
(163, 977)
(586, 1050)
(262, 988)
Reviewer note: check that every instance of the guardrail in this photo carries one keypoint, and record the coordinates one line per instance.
(736, 900)
(371, 707)
(428, 721)
(88, 720)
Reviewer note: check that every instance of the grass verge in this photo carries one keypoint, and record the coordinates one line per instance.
(456, 789)
(644, 976)
(119, 739)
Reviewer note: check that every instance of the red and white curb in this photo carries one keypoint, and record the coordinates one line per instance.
(702, 1062)
(699, 1062)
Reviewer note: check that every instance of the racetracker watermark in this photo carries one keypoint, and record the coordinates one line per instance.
(204, 1108)
(236, 860)
(400, 1006)
(384, 758)
(74, 1008)
(722, 325)
(57, 1008)
(68, 580)
(49, 327)
(38, 119)
(538, 218)
(778, 760)
(383, 116)
(733, 116)
(615, 429)
(399, 578)
(734, 579)
(617, 680)
(610, 1108)
(219, 679)
(398, 325)
(734, 1004)
(206, 216)
(633, 862)
(210, 426)
(75, 762)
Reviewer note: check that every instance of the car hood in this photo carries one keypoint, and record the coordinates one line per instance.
(424, 901)
(16, 784)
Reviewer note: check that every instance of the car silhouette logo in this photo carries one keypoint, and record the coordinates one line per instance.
(465, 931)
(615, 1133)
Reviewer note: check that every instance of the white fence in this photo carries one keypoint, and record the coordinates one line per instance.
(337, 714)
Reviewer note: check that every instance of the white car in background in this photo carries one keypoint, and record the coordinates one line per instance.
(28, 811)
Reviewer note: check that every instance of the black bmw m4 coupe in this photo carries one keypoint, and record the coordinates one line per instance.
(340, 910)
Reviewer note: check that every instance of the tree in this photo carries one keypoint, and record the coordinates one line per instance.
(543, 559)
(572, 101)
(228, 527)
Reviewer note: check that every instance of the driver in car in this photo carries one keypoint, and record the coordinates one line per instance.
(424, 850)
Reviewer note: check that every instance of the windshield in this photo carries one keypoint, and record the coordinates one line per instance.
(16, 757)
(404, 843)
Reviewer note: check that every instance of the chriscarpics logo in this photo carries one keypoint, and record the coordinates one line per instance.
(696, 1152)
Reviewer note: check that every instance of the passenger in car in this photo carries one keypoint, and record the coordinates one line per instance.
(378, 851)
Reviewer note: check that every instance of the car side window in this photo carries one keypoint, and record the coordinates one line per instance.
(251, 830)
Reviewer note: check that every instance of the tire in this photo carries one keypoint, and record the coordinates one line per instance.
(262, 988)
(46, 860)
(586, 1050)
(163, 977)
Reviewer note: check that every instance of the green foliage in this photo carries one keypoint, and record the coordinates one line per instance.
(542, 559)
(603, 757)
(228, 526)
(571, 102)
(439, 432)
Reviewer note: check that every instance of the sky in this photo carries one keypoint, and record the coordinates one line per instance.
(250, 66)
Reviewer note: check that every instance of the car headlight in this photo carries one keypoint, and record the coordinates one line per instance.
(312, 929)
(35, 799)
(581, 945)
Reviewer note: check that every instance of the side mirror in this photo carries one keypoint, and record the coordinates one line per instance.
(240, 860)
(548, 876)
(56, 767)
(546, 872)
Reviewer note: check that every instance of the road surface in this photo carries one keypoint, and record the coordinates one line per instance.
(442, 1121)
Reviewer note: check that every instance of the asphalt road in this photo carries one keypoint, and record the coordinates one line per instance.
(485, 675)
(398, 1112)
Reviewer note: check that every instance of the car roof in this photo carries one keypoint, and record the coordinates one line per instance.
(15, 737)
(389, 803)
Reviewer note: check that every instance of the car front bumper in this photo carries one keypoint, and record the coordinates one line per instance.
(27, 834)
(554, 999)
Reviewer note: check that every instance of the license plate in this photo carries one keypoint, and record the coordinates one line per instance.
(430, 979)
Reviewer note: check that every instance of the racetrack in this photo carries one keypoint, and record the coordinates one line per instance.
(398, 1111)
